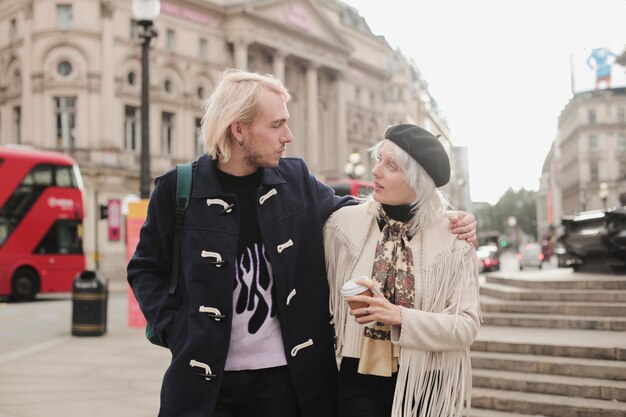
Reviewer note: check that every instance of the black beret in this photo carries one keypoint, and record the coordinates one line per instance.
(425, 148)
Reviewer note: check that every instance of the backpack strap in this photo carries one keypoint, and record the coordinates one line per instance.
(184, 177)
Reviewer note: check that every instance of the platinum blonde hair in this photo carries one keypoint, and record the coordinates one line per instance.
(235, 99)
(430, 202)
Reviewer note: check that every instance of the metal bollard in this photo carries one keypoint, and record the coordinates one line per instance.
(89, 304)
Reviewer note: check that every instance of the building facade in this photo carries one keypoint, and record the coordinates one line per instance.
(70, 76)
(586, 166)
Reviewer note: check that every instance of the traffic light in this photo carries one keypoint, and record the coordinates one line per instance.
(504, 243)
(104, 211)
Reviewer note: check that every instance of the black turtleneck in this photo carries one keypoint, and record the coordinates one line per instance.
(401, 213)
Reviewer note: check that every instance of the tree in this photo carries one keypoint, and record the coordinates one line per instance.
(521, 205)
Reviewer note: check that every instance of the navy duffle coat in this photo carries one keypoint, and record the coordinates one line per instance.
(195, 322)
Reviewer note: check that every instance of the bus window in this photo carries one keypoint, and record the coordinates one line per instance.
(62, 238)
(6, 225)
(65, 177)
(40, 175)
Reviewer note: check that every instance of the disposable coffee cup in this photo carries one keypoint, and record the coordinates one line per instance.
(351, 288)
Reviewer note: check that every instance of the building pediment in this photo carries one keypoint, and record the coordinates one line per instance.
(301, 17)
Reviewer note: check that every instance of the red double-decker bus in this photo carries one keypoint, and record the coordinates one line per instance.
(356, 188)
(41, 217)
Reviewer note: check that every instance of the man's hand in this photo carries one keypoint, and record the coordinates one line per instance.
(464, 225)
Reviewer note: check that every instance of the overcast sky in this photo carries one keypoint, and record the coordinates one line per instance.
(500, 72)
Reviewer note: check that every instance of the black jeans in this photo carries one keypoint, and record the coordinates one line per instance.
(363, 395)
(257, 393)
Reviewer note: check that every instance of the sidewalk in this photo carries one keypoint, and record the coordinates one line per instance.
(46, 372)
(115, 375)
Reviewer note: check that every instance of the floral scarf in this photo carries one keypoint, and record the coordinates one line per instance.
(393, 273)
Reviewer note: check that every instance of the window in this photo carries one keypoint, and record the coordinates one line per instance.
(133, 30)
(622, 169)
(64, 68)
(64, 16)
(65, 120)
(203, 47)
(593, 144)
(199, 141)
(167, 86)
(200, 92)
(132, 78)
(620, 115)
(167, 132)
(64, 237)
(592, 117)
(12, 29)
(170, 40)
(621, 143)
(593, 171)
(130, 128)
(17, 124)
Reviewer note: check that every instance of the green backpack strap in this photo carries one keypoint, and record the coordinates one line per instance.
(184, 175)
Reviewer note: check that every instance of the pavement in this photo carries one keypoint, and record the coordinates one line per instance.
(46, 372)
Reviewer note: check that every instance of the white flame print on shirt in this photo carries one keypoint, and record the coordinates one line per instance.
(253, 296)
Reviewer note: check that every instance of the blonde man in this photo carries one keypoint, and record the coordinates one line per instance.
(248, 327)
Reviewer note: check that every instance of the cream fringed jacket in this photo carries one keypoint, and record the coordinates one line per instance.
(435, 335)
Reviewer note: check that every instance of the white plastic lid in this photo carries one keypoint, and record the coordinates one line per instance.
(352, 288)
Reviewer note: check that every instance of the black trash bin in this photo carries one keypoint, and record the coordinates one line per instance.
(89, 304)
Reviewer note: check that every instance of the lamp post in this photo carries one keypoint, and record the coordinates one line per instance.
(144, 12)
(603, 193)
(354, 168)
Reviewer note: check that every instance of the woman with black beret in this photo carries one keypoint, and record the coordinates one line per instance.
(405, 352)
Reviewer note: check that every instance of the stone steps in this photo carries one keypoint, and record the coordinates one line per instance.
(481, 412)
(555, 321)
(546, 405)
(495, 305)
(548, 346)
(600, 389)
(563, 282)
(553, 344)
(550, 365)
(507, 292)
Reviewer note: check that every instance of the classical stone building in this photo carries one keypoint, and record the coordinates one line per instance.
(70, 76)
(588, 154)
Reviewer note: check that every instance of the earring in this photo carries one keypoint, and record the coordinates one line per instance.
(241, 143)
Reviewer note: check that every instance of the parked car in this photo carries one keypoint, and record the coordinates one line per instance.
(488, 258)
(530, 254)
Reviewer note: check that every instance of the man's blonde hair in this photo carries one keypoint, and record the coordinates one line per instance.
(235, 99)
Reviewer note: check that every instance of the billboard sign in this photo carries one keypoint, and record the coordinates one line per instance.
(597, 69)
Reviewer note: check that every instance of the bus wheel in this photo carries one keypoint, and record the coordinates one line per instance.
(25, 285)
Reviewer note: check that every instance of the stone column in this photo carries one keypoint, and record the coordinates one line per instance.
(241, 54)
(108, 135)
(27, 110)
(342, 123)
(312, 150)
(279, 65)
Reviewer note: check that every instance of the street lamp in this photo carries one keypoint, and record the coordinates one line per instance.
(603, 193)
(144, 12)
(354, 168)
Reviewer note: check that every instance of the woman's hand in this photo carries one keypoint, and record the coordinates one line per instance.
(464, 225)
(380, 309)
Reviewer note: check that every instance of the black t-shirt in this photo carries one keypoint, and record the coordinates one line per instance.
(245, 189)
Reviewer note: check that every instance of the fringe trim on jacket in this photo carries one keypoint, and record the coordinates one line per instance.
(429, 384)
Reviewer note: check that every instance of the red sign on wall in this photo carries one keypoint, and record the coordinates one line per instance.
(115, 218)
